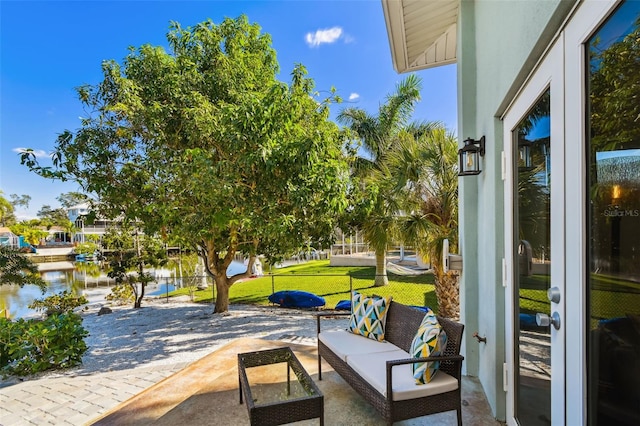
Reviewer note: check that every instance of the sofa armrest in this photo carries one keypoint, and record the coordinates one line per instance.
(457, 359)
(320, 315)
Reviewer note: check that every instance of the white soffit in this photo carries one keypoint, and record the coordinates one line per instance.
(422, 33)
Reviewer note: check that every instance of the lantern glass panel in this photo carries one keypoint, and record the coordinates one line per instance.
(470, 161)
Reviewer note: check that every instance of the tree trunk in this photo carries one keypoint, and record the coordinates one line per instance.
(447, 293)
(381, 269)
(218, 270)
(222, 293)
(138, 302)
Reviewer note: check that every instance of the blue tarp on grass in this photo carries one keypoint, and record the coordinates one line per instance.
(296, 299)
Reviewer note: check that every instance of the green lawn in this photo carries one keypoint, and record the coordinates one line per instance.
(332, 283)
(610, 297)
(534, 301)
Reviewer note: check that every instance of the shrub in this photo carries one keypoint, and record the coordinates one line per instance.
(88, 248)
(9, 333)
(121, 294)
(31, 346)
(61, 303)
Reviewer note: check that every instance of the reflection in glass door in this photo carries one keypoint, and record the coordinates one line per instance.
(532, 201)
(613, 283)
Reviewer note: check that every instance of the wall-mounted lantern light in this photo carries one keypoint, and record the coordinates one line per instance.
(525, 161)
(470, 155)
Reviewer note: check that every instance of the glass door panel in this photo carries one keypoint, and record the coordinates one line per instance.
(532, 204)
(613, 164)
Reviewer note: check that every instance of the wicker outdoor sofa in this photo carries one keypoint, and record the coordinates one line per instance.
(370, 367)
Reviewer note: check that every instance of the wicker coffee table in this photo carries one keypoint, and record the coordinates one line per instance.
(273, 396)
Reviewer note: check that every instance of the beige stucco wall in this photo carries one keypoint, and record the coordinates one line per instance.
(499, 43)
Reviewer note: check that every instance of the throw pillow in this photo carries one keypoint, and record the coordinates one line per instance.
(430, 340)
(368, 316)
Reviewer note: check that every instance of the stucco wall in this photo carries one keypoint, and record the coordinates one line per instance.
(499, 43)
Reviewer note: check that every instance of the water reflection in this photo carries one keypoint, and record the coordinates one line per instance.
(81, 277)
(60, 276)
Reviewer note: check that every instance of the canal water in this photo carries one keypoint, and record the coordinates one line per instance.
(80, 278)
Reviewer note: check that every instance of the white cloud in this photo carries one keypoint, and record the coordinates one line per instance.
(329, 35)
(353, 96)
(39, 153)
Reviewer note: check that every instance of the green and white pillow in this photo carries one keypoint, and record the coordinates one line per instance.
(430, 340)
(369, 316)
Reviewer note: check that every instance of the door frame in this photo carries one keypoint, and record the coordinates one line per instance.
(548, 75)
(586, 20)
(571, 407)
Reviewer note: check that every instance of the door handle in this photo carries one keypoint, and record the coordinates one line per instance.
(544, 320)
(553, 294)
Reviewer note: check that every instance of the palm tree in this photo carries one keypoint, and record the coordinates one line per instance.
(70, 228)
(376, 212)
(424, 166)
(33, 235)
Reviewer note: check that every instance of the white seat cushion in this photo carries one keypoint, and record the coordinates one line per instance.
(373, 368)
(344, 343)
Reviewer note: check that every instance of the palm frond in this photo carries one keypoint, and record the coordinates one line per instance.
(424, 166)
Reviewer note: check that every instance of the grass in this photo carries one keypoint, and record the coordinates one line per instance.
(331, 282)
(534, 301)
(610, 297)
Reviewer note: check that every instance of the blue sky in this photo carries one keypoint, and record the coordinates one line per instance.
(49, 48)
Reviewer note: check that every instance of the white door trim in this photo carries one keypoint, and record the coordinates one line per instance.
(571, 64)
(550, 74)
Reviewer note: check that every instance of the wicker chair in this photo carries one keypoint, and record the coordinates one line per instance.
(401, 326)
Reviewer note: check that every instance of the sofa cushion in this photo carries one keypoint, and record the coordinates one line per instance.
(369, 315)
(372, 368)
(430, 340)
(343, 343)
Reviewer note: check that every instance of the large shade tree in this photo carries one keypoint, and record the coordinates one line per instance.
(7, 216)
(204, 143)
(52, 216)
(423, 171)
(375, 207)
(73, 198)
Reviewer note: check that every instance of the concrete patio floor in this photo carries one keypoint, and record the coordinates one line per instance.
(206, 392)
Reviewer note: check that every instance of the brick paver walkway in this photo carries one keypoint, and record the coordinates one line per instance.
(75, 400)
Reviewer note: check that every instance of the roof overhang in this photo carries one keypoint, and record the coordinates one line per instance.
(422, 33)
